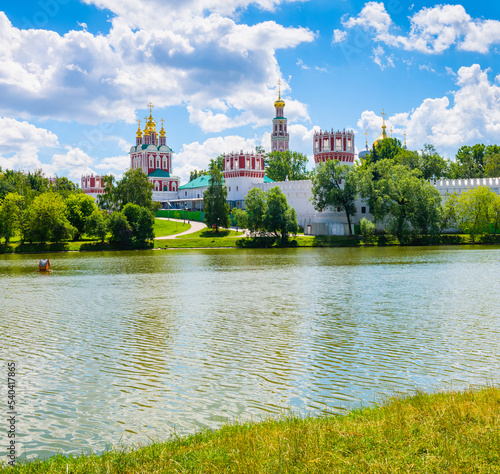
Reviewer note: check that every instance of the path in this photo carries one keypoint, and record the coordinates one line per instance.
(195, 227)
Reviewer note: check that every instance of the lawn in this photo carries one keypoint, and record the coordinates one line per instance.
(449, 432)
(163, 227)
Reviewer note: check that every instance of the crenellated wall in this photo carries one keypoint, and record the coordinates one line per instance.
(450, 186)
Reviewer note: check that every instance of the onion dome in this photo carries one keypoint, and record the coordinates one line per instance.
(139, 132)
(383, 135)
(280, 102)
(162, 131)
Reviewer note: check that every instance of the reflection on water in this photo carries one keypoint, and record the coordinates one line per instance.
(121, 348)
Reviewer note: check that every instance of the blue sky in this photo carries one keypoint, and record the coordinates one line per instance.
(76, 74)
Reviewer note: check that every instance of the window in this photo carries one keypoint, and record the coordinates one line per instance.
(363, 210)
(248, 163)
(151, 162)
(185, 193)
(338, 209)
(229, 189)
(158, 162)
(338, 143)
(236, 188)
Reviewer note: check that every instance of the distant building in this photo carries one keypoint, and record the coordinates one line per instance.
(332, 145)
(279, 135)
(92, 185)
(152, 154)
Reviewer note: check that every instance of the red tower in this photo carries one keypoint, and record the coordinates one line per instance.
(332, 145)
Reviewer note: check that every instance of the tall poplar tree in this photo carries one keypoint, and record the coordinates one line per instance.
(215, 206)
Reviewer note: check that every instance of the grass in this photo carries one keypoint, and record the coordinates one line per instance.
(210, 234)
(163, 228)
(454, 432)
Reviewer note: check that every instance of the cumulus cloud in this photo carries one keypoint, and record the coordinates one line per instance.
(74, 163)
(20, 144)
(202, 58)
(432, 30)
(473, 115)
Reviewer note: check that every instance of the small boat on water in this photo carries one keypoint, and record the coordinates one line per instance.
(44, 265)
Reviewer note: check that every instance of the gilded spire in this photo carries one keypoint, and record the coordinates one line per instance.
(162, 131)
(366, 135)
(280, 102)
(139, 132)
(384, 133)
(405, 137)
(146, 127)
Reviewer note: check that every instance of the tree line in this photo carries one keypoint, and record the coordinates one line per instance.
(42, 211)
(393, 181)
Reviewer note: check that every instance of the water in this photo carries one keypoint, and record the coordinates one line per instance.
(126, 348)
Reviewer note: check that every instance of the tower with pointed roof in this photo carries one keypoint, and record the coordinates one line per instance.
(152, 154)
(279, 135)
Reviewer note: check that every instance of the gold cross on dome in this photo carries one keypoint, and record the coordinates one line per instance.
(391, 131)
(383, 115)
(366, 135)
(161, 120)
(151, 106)
(139, 122)
(279, 88)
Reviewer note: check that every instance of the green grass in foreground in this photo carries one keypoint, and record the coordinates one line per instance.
(456, 432)
(163, 228)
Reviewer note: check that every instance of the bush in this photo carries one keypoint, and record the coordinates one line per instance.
(367, 229)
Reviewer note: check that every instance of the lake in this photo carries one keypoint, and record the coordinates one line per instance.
(122, 348)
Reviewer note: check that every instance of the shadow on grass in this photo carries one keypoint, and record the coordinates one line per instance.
(100, 246)
(39, 247)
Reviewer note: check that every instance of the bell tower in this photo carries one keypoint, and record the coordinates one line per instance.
(279, 135)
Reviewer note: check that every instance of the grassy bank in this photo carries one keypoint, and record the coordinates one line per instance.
(443, 432)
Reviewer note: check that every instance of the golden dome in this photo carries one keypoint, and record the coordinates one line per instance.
(162, 131)
(139, 132)
(280, 102)
(382, 136)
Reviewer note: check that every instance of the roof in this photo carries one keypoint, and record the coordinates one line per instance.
(200, 182)
(144, 146)
(268, 180)
(159, 174)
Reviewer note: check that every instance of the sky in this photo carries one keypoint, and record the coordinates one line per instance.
(75, 75)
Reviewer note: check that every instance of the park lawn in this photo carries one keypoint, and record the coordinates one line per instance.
(163, 227)
(210, 234)
(447, 432)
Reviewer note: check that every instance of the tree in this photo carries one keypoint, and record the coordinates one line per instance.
(46, 219)
(492, 165)
(195, 174)
(433, 166)
(286, 164)
(79, 207)
(64, 186)
(119, 228)
(279, 219)
(335, 185)
(134, 187)
(215, 204)
(256, 206)
(367, 229)
(10, 216)
(473, 210)
(399, 197)
(95, 225)
(141, 221)
(388, 148)
(495, 214)
(470, 161)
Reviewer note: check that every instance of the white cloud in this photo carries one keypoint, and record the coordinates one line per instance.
(20, 144)
(201, 59)
(473, 116)
(116, 163)
(433, 30)
(74, 163)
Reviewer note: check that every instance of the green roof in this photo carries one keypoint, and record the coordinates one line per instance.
(200, 182)
(144, 146)
(159, 174)
(204, 180)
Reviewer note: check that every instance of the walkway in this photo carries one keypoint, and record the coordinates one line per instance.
(195, 227)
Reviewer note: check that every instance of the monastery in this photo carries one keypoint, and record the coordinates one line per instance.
(245, 170)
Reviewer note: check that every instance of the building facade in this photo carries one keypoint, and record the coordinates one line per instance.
(152, 154)
(332, 145)
(92, 185)
(279, 136)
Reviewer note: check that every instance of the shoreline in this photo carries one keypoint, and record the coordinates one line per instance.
(447, 431)
(249, 243)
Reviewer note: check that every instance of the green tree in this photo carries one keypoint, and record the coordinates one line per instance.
(495, 214)
(141, 221)
(134, 187)
(335, 185)
(367, 229)
(406, 203)
(64, 186)
(492, 165)
(10, 216)
(195, 174)
(256, 206)
(95, 225)
(473, 210)
(470, 161)
(215, 206)
(286, 164)
(79, 207)
(279, 219)
(433, 165)
(119, 228)
(388, 148)
(46, 219)
(241, 217)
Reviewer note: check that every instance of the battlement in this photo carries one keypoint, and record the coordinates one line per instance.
(243, 164)
(334, 145)
(92, 184)
(451, 186)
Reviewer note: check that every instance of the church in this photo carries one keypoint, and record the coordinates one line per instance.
(245, 170)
